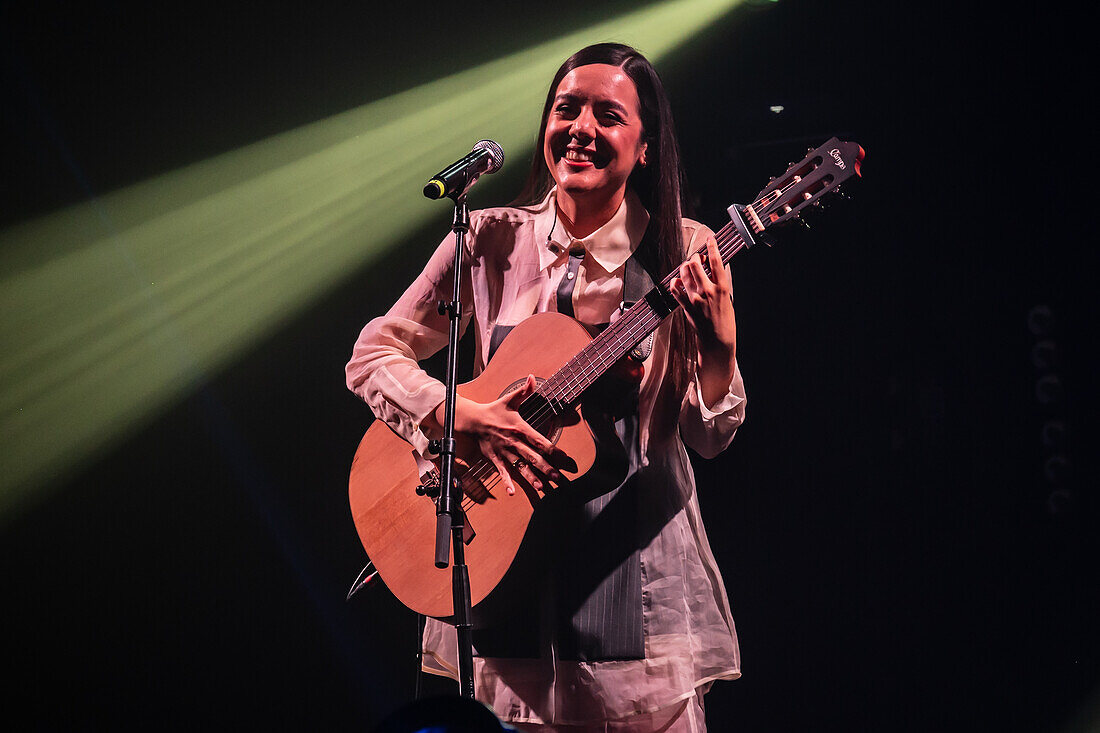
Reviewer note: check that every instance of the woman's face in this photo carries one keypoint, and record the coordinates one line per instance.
(594, 135)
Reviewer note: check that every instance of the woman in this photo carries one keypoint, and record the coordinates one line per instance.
(618, 619)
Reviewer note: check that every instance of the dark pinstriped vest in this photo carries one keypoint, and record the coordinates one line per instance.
(577, 581)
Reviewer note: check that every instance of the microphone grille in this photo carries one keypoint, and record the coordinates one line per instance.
(496, 154)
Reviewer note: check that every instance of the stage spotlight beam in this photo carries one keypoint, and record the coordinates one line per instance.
(117, 308)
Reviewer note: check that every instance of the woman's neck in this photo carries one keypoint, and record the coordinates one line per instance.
(581, 217)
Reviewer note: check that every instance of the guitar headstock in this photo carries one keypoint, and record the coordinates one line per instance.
(804, 184)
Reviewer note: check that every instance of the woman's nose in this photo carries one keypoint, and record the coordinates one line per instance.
(584, 125)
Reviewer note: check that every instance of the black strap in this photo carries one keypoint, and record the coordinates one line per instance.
(636, 282)
(569, 281)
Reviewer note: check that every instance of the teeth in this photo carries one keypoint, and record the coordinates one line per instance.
(578, 155)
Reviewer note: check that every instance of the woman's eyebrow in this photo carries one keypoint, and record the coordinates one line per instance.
(600, 102)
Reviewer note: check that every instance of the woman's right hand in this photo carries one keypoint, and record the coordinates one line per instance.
(505, 438)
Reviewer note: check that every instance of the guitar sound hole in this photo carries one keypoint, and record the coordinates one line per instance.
(537, 410)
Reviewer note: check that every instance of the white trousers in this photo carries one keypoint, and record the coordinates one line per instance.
(686, 716)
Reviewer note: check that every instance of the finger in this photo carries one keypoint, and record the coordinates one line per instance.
(533, 447)
(532, 459)
(515, 399)
(717, 268)
(699, 273)
(536, 441)
(502, 470)
(676, 290)
(688, 277)
(696, 288)
(680, 294)
(697, 280)
(720, 273)
(534, 466)
(528, 474)
(526, 441)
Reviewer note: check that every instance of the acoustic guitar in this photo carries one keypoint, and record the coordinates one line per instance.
(393, 499)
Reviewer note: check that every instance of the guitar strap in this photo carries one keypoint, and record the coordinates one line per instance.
(569, 281)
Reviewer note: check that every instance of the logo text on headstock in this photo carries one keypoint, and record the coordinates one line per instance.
(836, 156)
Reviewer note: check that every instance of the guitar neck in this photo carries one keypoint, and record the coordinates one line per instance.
(632, 327)
(804, 184)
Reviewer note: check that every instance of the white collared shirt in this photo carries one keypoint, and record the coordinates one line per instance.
(598, 290)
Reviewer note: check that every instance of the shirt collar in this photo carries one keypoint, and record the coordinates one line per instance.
(610, 246)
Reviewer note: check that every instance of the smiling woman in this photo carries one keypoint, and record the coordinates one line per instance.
(593, 140)
(614, 615)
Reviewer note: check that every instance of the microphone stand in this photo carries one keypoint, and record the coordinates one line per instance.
(450, 520)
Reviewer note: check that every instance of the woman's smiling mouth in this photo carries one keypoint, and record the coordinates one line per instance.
(579, 157)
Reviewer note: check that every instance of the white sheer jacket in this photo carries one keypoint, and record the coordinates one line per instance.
(514, 261)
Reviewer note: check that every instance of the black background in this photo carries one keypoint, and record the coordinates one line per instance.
(896, 557)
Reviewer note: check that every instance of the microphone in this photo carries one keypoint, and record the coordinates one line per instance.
(456, 179)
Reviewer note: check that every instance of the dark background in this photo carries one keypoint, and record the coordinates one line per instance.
(898, 556)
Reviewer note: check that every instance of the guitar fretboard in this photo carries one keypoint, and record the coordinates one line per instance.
(632, 327)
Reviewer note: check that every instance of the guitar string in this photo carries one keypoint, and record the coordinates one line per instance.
(725, 237)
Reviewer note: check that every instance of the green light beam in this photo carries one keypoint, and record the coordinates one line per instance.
(116, 308)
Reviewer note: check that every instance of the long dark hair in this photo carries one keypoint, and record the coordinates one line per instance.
(658, 184)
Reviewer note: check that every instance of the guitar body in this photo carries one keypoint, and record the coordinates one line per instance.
(397, 525)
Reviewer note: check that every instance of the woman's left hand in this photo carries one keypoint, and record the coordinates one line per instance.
(708, 304)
